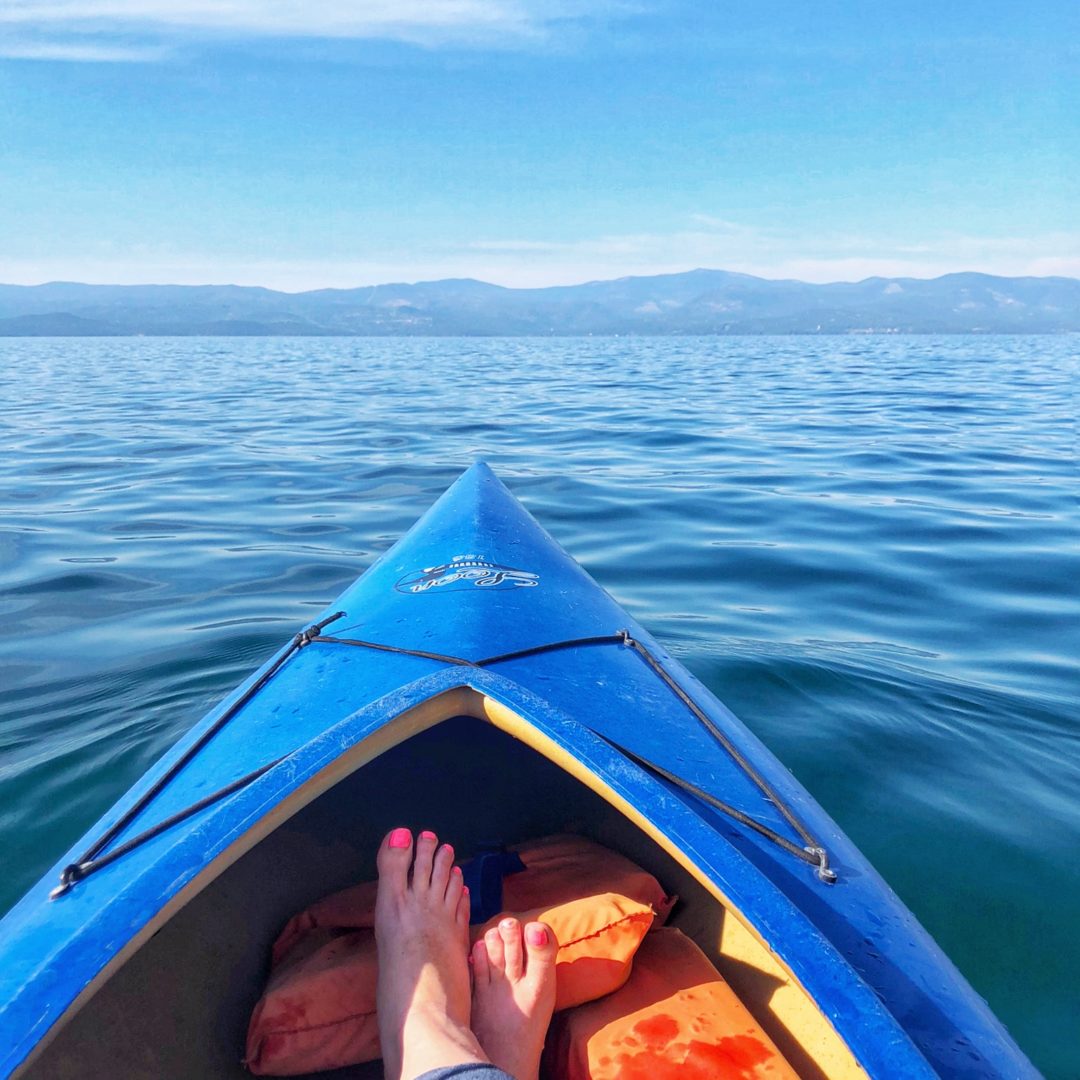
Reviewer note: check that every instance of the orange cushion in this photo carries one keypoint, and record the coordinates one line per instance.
(567, 867)
(597, 936)
(675, 1019)
(318, 1010)
(557, 868)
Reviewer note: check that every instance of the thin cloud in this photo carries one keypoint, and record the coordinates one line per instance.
(595, 246)
(721, 224)
(139, 29)
(528, 262)
(85, 52)
(769, 253)
(283, 17)
(519, 245)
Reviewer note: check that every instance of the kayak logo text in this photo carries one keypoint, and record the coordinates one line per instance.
(467, 572)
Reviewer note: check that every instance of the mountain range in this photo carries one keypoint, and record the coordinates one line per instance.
(696, 302)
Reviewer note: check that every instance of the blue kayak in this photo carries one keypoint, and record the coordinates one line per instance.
(476, 681)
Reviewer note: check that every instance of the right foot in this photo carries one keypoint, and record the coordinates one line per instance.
(514, 994)
(421, 928)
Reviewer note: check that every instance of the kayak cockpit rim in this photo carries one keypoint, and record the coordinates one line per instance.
(789, 1013)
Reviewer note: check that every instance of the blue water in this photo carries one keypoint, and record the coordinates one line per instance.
(868, 547)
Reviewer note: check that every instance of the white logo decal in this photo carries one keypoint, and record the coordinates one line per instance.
(466, 572)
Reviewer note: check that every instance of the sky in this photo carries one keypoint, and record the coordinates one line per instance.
(301, 144)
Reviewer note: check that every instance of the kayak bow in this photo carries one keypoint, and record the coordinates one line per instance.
(474, 674)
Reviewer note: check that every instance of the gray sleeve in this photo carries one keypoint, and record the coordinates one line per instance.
(470, 1071)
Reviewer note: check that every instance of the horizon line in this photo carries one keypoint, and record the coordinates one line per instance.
(534, 288)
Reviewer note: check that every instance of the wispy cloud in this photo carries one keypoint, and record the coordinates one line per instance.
(143, 29)
(772, 252)
(528, 262)
(716, 224)
(631, 245)
(86, 51)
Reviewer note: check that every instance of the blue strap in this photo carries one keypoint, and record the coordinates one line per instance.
(484, 875)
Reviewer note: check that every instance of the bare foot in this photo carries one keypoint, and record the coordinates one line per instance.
(421, 930)
(514, 994)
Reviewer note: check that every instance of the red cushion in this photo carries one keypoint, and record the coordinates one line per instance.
(318, 1010)
(350, 909)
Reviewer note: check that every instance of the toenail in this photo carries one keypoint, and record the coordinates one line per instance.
(508, 924)
(456, 870)
(536, 935)
(399, 838)
(425, 835)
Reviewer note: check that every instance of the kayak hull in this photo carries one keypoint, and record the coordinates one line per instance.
(478, 578)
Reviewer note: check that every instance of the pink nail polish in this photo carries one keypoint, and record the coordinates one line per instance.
(465, 889)
(536, 935)
(456, 870)
(425, 835)
(399, 838)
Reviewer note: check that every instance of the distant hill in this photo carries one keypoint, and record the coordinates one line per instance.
(58, 324)
(697, 302)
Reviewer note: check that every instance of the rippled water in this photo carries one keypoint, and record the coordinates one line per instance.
(868, 547)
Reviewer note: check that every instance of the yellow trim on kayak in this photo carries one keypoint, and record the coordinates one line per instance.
(772, 993)
(789, 1006)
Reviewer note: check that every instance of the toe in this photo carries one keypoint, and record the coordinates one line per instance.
(461, 916)
(480, 967)
(541, 948)
(493, 946)
(395, 854)
(441, 866)
(426, 843)
(454, 888)
(513, 952)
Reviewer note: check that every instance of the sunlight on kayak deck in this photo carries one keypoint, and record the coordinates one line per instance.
(176, 1001)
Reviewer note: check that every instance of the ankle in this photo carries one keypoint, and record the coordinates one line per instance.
(439, 1043)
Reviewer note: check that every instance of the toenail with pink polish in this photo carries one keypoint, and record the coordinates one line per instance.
(508, 924)
(399, 838)
(536, 935)
(425, 835)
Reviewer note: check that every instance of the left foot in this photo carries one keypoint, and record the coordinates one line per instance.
(421, 930)
(514, 994)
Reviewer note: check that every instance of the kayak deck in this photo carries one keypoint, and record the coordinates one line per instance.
(476, 612)
(180, 1004)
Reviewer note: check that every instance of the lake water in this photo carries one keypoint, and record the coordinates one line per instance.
(868, 547)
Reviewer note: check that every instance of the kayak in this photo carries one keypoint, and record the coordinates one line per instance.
(475, 681)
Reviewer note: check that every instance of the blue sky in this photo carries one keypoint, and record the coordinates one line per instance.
(308, 143)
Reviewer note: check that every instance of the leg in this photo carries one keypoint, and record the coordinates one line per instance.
(514, 994)
(421, 931)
